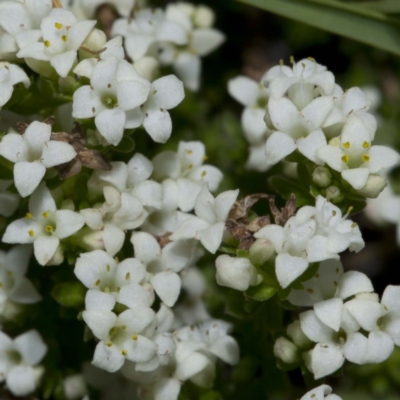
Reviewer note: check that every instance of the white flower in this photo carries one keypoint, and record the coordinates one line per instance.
(163, 264)
(236, 273)
(14, 286)
(121, 337)
(353, 156)
(44, 226)
(112, 98)
(299, 82)
(186, 60)
(9, 202)
(119, 213)
(62, 36)
(74, 387)
(10, 75)
(183, 175)
(19, 361)
(320, 393)
(32, 153)
(146, 29)
(209, 225)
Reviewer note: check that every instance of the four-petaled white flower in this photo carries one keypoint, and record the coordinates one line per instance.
(32, 153)
(19, 359)
(44, 226)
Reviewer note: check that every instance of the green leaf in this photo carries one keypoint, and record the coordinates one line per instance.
(69, 294)
(211, 395)
(126, 145)
(242, 253)
(286, 187)
(261, 292)
(385, 6)
(371, 29)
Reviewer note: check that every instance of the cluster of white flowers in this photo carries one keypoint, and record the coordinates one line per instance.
(347, 322)
(306, 112)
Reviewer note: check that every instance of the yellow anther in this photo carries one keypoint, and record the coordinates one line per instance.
(311, 58)
(353, 225)
(109, 344)
(365, 157)
(97, 283)
(189, 152)
(47, 43)
(346, 145)
(45, 214)
(204, 158)
(334, 213)
(345, 158)
(123, 327)
(31, 233)
(64, 38)
(49, 229)
(203, 174)
(310, 291)
(291, 60)
(124, 352)
(108, 268)
(281, 62)
(28, 215)
(58, 25)
(366, 144)
(134, 337)
(128, 276)
(190, 166)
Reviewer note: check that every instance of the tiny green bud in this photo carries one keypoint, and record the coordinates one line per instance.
(333, 193)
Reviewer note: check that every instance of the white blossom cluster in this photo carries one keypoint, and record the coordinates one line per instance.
(308, 113)
(347, 322)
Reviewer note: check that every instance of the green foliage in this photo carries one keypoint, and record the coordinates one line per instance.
(69, 294)
(353, 21)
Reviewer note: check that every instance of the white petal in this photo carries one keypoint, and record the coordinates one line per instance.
(132, 93)
(41, 200)
(204, 41)
(314, 329)
(353, 282)
(224, 203)
(332, 156)
(158, 125)
(254, 125)
(14, 148)
(330, 312)
(25, 293)
(167, 389)
(134, 295)
(68, 222)
(244, 90)
(63, 62)
(211, 237)
(108, 358)
(100, 322)
(99, 301)
(110, 124)
(113, 238)
(27, 176)
(18, 231)
(31, 347)
(188, 68)
(278, 146)
(357, 177)
(21, 380)
(366, 312)
(137, 318)
(141, 350)
(289, 268)
(169, 91)
(355, 349)
(45, 248)
(86, 103)
(227, 349)
(391, 298)
(380, 347)
(309, 145)
(145, 246)
(382, 157)
(56, 153)
(167, 286)
(325, 359)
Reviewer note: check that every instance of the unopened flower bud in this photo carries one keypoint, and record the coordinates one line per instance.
(374, 186)
(367, 296)
(285, 350)
(74, 387)
(95, 41)
(147, 67)
(333, 193)
(322, 176)
(235, 273)
(295, 333)
(204, 17)
(89, 239)
(261, 251)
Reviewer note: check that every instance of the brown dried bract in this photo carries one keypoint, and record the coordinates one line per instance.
(85, 157)
(281, 216)
(163, 240)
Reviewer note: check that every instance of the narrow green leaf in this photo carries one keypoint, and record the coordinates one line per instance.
(365, 29)
(285, 187)
(385, 6)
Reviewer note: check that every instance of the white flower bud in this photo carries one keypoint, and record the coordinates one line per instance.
(261, 251)
(95, 41)
(374, 186)
(147, 67)
(333, 193)
(322, 177)
(204, 17)
(90, 240)
(235, 273)
(297, 335)
(285, 350)
(74, 387)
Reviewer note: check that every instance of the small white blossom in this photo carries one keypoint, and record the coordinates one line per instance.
(10, 75)
(44, 226)
(209, 225)
(19, 359)
(62, 36)
(322, 392)
(32, 153)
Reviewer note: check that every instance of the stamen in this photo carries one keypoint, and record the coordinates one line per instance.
(31, 233)
(124, 352)
(109, 344)
(58, 25)
(346, 145)
(128, 276)
(345, 158)
(47, 43)
(365, 157)
(366, 145)
(49, 229)
(189, 152)
(45, 214)
(97, 283)
(134, 337)
(28, 215)
(108, 268)
(203, 174)
(64, 38)
(353, 225)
